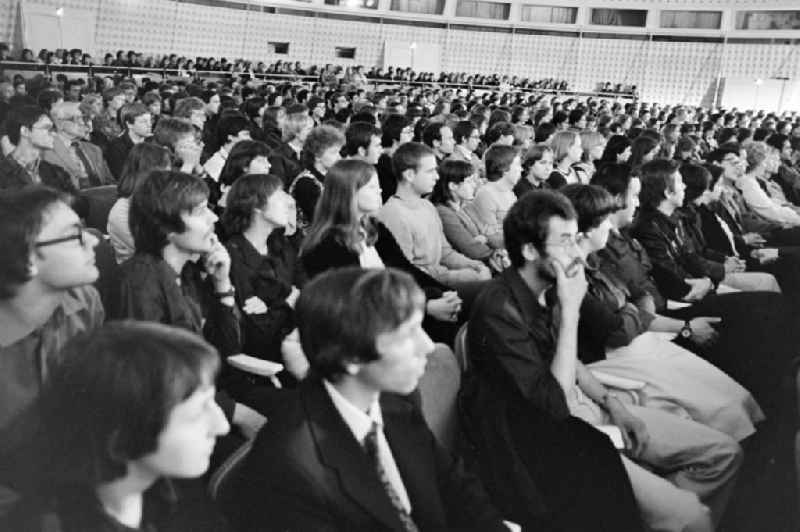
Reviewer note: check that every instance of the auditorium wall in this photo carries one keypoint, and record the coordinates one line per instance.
(664, 70)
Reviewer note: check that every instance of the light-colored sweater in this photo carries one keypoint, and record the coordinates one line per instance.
(416, 226)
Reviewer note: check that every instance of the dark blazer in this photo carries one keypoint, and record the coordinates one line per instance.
(715, 237)
(307, 472)
(60, 155)
(673, 258)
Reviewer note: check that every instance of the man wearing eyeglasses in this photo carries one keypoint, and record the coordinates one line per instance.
(30, 130)
(46, 298)
(83, 160)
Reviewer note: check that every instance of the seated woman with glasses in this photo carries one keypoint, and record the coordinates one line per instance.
(150, 391)
(346, 233)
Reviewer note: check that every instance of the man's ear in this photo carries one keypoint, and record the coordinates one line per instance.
(529, 252)
(362, 152)
(408, 175)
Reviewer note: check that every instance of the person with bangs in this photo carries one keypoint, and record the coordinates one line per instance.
(619, 333)
(320, 152)
(644, 149)
(46, 298)
(176, 247)
(246, 157)
(494, 199)
(567, 151)
(150, 389)
(455, 189)
(142, 159)
(617, 150)
(593, 145)
(347, 451)
(347, 233)
(537, 165)
(265, 270)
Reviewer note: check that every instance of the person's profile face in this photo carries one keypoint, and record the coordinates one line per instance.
(678, 192)
(541, 169)
(62, 259)
(374, 150)
(330, 156)
(276, 210)
(561, 245)
(187, 440)
(448, 142)
(368, 197)
(426, 175)
(259, 165)
(198, 235)
(403, 354)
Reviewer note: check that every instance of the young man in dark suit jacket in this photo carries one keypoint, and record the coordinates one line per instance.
(344, 452)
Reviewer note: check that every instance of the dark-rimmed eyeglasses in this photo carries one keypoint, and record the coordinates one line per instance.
(79, 235)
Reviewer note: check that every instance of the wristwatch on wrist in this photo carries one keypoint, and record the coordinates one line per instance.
(686, 331)
(227, 293)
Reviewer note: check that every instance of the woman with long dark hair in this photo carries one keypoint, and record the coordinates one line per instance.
(346, 233)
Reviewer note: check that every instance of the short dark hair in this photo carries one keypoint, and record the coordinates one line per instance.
(656, 181)
(432, 132)
(697, 179)
(142, 159)
(393, 127)
(592, 204)
(23, 116)
(131, 111)
(249, 192)
(614, 177)
(129, 375)
(359, 135)
(500, 129)
(170, 128)
(528, 221)
(717, 155)
(498, 159)
(450, 171)
(341, 312)
(407, 156)
(22, 214)
(544, 131)
(614, 147)
(157, 205)
(463, 130)
(240, 157)
(231, 125)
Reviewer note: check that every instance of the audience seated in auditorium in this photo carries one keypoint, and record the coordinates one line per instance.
(526, 366)
(619, 333)
(361, 330)
(343, 237)
(415, 223)
(45, 299)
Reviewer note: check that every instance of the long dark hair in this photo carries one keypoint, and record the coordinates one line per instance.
(336, 212)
